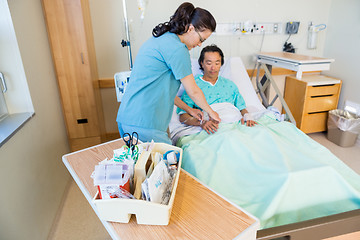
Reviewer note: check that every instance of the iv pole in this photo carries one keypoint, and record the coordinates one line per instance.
(127, 42)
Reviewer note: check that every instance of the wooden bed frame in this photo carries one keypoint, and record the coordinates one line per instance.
(314, 229)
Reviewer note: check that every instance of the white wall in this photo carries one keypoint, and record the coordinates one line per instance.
(32, 176)
(343, 44)
(109, 30)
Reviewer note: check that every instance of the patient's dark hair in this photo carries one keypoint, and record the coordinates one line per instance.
(185, 15)
(210, 48)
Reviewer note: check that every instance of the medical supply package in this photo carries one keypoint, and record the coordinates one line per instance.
(166, 175)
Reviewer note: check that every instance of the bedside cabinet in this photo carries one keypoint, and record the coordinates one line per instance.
(310, 99)
(72, 45)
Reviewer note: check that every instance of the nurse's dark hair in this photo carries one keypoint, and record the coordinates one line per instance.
(185, 15)
(210, 48)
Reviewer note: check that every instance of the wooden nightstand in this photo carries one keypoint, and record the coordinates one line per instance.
(310, 99)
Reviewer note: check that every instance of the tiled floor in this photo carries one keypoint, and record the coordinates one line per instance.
(349, 155)
(77, 220)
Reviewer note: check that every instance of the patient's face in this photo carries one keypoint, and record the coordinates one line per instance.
(211, 64)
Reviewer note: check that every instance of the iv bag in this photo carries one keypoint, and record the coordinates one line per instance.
(142, 4)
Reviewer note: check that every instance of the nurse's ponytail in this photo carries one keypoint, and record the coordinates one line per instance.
(185, 15)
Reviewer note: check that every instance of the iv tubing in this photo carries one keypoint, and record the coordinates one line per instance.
(127, 35)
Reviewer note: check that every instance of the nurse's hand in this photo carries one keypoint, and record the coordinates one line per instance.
(215, 116)
(196, 113)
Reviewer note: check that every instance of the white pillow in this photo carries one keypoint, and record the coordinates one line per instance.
(234, 70)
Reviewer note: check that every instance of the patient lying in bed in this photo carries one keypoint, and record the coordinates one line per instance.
(217, 90)
(273, 170)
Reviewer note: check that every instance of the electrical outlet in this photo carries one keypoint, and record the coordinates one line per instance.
(267, 28)
(276, 28)
(292, 27)
(248, 27)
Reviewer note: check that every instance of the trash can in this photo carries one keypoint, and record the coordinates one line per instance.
(343, 127)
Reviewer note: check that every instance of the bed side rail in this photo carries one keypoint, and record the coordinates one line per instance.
(315, 229)
(264, 84)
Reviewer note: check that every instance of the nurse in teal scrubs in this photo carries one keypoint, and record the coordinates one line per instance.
(162, 64)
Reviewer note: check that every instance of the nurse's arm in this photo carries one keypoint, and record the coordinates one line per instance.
(196, 113)
(197, 96)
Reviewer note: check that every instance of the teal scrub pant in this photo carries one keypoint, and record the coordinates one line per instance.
(145, 134)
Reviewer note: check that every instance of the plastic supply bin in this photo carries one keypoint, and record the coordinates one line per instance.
(343, 127)
(150, 213)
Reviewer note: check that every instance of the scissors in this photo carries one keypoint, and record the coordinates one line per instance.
(130, 141)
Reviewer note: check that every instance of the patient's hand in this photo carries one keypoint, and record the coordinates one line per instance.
(248, 118)
(249, 123)
(210, 126)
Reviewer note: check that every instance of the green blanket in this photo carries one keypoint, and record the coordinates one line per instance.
(273, 170)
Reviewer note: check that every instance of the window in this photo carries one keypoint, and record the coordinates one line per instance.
(15, 103)
(3, 89)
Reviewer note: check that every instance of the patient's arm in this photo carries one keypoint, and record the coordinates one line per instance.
(196, 113)
(210, 126)
(197, 96)
(250, 122)
(189, 120)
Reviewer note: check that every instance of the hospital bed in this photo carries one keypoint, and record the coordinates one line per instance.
(295, 186)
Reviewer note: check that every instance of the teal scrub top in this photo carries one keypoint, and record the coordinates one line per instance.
(155, 79)
(223, 90)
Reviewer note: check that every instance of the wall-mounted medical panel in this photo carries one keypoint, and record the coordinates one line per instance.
(249, 28)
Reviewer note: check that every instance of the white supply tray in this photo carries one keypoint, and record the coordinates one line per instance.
(120, 210)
